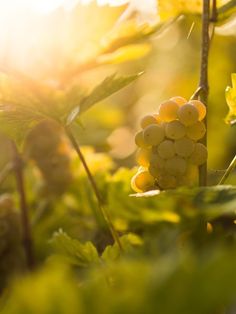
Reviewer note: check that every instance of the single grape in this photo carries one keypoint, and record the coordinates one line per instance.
(168, 111)
(188, 114)
(147, 120)
(155, 159)
(139, 140)
(196, 131)
(184, 147)
(153, 134)
(190, 178)
(179, 100)
(175, 130)
(176, 166)
(199, 155)
(154, 170)
(167, 181)
(201, 108)
(142, 181)
(143, 157)
(166, 149)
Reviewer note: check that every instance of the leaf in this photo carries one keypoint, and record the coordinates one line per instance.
(124, 54)
(82, 255)
(109, 86)
(168, 9)
(128, 242)
(230, 95)
(129, 33)
(16, 124)
(54, 287)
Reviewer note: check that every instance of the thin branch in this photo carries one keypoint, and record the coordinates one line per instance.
(26, 229)
(214, 13)
(197, 93)
(104, 213)
(203, 83)
(228, 171)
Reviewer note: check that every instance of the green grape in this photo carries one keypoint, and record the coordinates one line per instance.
(155, 159)
(167, 181)
(139, 140)
(175, 130)
(154, 170)
(188, 114)
(176, 166)
(143, 157)
(190, 178)
(147, 120)
(196, 131)
(153, 134)
(166, 149)
(142, 181)
(168, 111)
(184, 147)
(199, 155)
(201, 108)
(179, 100)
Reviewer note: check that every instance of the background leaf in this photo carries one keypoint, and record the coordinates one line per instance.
(230, 95)
(109, 86)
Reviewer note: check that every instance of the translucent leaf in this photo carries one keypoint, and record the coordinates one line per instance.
(109, 86)
(16, 124)
(230, 95)
(129, 32)
(124, 54)
(73, 251)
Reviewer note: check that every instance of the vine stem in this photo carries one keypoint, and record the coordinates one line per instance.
(26, 229)
(104, 213)
(228, 171)
(203, 83)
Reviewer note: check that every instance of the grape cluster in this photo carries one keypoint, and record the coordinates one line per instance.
(47, 147)
(169, 151)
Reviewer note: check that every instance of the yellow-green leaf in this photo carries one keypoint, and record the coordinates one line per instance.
(124, 54)
(230, 95)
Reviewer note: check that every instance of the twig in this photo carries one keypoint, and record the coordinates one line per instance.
(228, 171)
(6, 171)
(104, 213)
(27, 236)
(214, 13)
(203, 83)
(197, 93)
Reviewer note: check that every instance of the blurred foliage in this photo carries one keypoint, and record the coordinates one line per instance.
(178, 246)
(230, 94)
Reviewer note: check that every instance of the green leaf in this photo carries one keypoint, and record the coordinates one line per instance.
(109, 86)
(73, 251)
(16, 124)
(128, 242)
(55, 290)
(230, 95)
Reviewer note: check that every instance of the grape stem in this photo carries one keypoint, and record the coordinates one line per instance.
(228, 171)
(26, 228)
(203, 89)
(99, 198)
